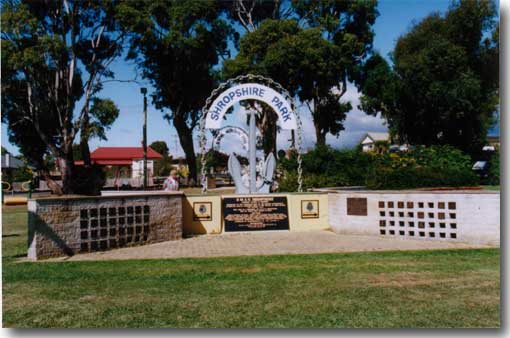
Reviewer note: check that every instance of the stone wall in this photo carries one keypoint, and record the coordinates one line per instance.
(466, 216)
(66, 226)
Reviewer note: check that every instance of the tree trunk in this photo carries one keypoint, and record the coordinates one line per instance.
(50, 182)
(66, 166)
(321, 137)
(186, 139)
(84, 140)
(268, 130)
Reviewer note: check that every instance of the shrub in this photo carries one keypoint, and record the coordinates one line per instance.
(433, 166)
(422, 167)
(22, 174)
(493, 177)
(162, 167)
(89, 181)
(289, 182)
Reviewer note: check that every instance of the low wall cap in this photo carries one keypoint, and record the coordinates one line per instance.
(84, 197)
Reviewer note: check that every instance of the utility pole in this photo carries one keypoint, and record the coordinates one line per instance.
(144, 92)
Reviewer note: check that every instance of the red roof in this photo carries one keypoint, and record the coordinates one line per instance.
(123, 153)
(107, 162)
(120, 155)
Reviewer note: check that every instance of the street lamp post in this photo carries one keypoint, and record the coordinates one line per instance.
(144, 92)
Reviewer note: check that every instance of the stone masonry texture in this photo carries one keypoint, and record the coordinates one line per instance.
(67, 226)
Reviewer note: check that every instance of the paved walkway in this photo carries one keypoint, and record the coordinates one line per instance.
(266, 243)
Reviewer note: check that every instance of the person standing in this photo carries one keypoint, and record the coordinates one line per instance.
(172, 182)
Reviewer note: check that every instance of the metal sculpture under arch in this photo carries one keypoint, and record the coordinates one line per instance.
(238, 131)
(242, 88)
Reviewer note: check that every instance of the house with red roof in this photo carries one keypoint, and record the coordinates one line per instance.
(124, 163)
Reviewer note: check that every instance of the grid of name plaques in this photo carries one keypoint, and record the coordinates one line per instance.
(115, 227)
(418, 219)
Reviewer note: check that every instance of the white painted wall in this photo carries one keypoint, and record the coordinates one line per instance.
(137, 168)
(477, 215)
(368, 147)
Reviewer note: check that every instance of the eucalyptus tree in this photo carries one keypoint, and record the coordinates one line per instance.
(249, 15)
(443, 85)
(55, 55)
(252, 58)
(176, 45)
(348, 26)
(313, 49)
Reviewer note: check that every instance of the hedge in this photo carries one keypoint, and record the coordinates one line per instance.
(434, 166)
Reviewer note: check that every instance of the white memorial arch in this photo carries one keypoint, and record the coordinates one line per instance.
(226, 96)
(250, 91)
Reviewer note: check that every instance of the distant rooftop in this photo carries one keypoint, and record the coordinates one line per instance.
(11, 162)
(120, 155)
(375, 136)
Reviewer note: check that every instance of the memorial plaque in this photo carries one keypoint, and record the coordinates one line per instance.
(310, 209)
(202, 211)
(255, 213)
(357, 206)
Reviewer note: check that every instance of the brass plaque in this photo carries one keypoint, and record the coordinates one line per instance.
(356, 206)
(310, 209)
(202, 211)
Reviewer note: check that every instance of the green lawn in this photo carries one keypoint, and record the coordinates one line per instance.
(457, 288)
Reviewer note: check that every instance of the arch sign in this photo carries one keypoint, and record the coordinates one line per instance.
(250, 91)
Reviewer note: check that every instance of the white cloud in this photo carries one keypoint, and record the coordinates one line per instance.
(356, 124)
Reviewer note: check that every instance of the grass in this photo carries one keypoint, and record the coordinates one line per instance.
(14, 232)
(449, 288)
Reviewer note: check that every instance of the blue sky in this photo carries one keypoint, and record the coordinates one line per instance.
(396, 17)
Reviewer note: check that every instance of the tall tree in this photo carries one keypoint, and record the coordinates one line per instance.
(100, 117)
(443, 86)
(253, 58)
(314, 54)
(301, 61)
(96, 121)
(162, 166)
(249, 14)
(55, 55)
(176, 44)
(377, 82)
(348, 26)
(23, 133)
(161, 147)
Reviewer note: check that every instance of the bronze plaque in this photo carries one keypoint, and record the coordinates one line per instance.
(255, 213)
(310, 209)
(357, 206)
(202, 211)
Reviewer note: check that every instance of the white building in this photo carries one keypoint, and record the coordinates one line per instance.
(369, 139)
(126, 161)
